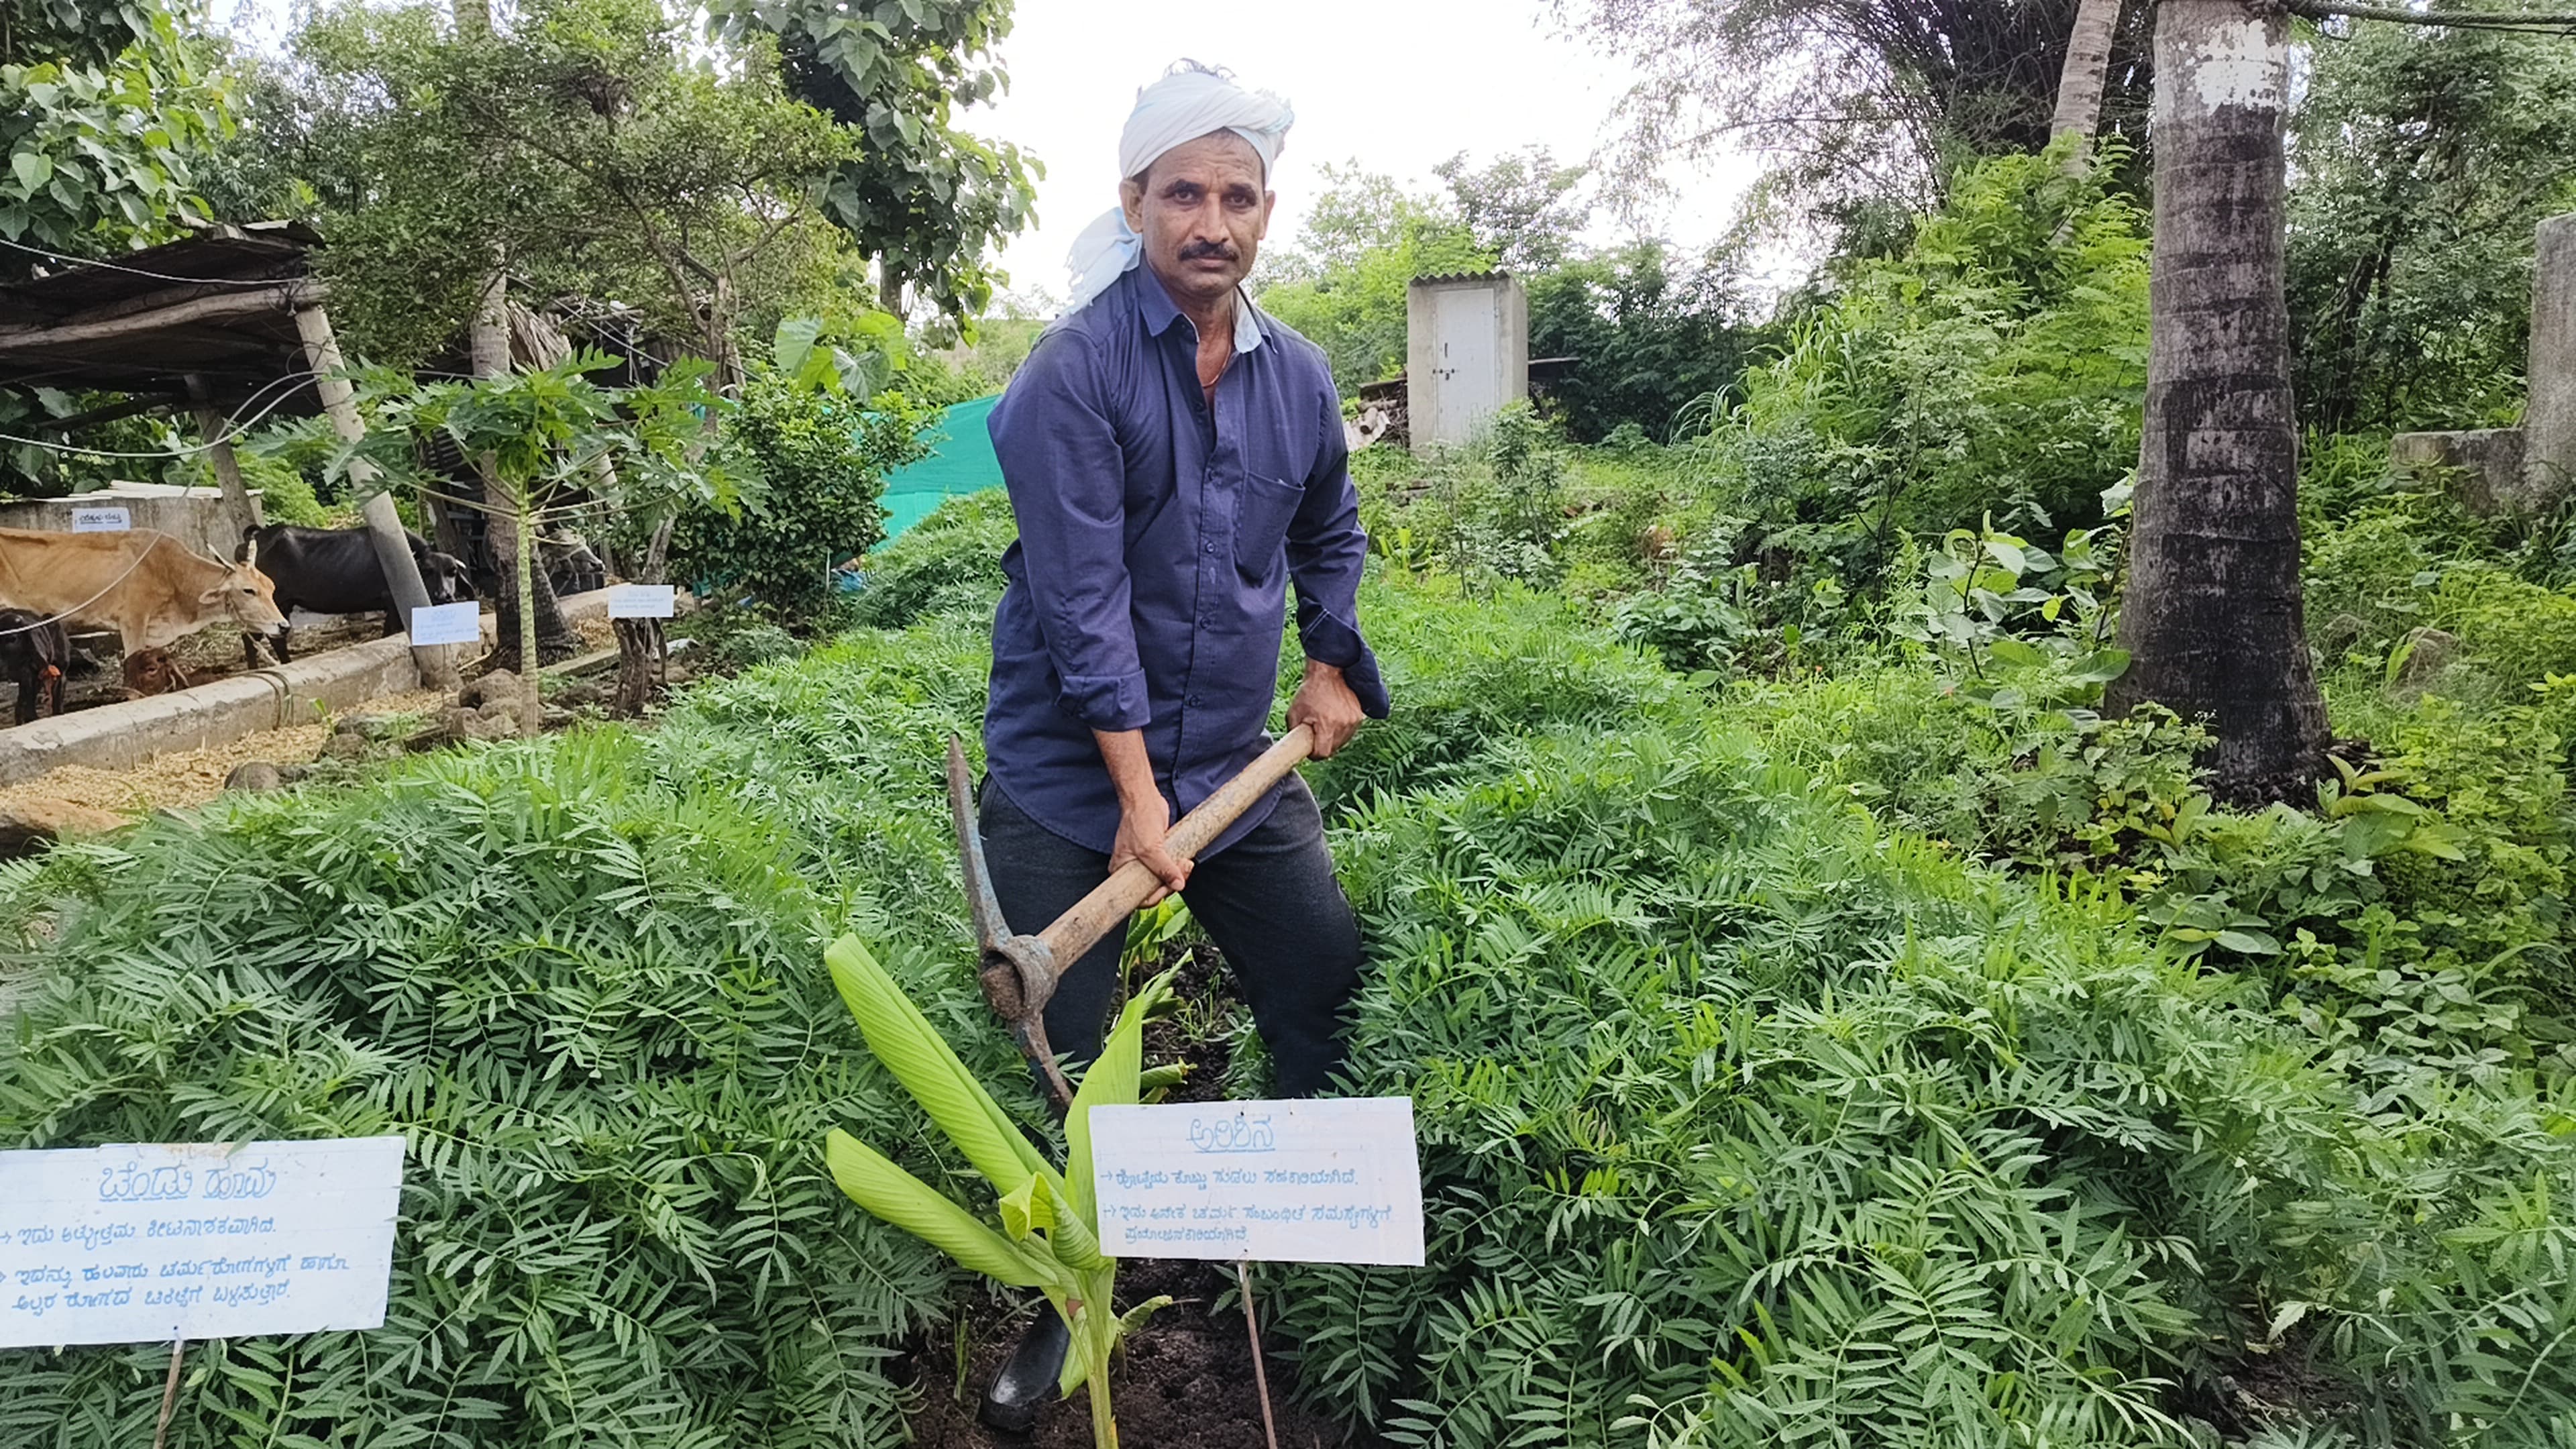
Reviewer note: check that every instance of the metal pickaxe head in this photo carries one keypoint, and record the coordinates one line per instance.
(1018, 973)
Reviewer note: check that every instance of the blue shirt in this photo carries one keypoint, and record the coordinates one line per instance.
(1157, 540)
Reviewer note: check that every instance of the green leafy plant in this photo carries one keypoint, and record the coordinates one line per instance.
(1050, 1237)
(822, 454)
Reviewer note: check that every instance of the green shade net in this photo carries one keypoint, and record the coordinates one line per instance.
(963, 463)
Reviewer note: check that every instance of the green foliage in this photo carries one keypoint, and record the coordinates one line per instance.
(2424, 157)
(2020, 624)
(1343, 287)
(568, 974)
(1650, 335)
(948, 563)
(1521, 207)
(1530, 665)
(594, 146)
(104, 113)
(927, 201)
(822, 459)
(1999, 362)
(1742, 1119)
(1493, 510)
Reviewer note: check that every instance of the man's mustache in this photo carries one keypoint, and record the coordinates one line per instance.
(1219, 251)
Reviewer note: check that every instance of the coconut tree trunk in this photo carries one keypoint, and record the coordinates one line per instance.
(2088, 65)
(2212, 617)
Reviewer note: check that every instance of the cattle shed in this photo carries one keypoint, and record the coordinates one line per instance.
(218, 308)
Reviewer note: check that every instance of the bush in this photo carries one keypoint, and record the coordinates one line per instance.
(2001, 361)
(822, 460)
(584, 979)
(1742, 1119)
(950, 562)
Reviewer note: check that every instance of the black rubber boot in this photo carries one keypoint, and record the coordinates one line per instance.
(1028, 1380)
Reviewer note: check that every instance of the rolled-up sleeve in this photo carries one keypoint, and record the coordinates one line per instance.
(1067, 479)
(1327, 550)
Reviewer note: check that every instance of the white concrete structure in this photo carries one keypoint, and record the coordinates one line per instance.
(194, 516)
(1466, 353)
(2549, 421)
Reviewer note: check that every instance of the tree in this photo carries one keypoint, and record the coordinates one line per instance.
(2212, 616)
(2087, 69)
(104, 113)
(1856, 101)
(546, 431)
(607, 161)
(1343, 284)
(1650, 335)
(1521, 207)
(2424, 159)
(927, 201)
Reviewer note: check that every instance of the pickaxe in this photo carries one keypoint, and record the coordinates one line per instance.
(1019, 973)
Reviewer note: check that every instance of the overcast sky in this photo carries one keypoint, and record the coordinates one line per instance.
(1399, 85)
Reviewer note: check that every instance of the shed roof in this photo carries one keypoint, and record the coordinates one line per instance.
(219, 305)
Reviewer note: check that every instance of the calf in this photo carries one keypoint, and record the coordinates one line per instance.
(334, 571)
(33, 651)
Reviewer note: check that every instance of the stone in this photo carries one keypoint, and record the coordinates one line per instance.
(489, 723)
(2428, 652)
(345, 747)
(255, 775)
(499, 684)
(30, 825)
(2483, 469)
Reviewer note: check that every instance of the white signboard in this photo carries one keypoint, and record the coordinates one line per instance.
(1299, 1182)
(447, 624)
(641, 601)
(149, 1243)
(101, 520)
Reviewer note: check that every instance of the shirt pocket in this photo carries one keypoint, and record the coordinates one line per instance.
(1262, 513)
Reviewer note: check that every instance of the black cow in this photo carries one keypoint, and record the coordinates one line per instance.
(34, 651)
(334, 571)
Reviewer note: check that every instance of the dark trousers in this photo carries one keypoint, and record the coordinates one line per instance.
(1269, 901)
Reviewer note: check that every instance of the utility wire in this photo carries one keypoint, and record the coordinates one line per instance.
(134, 271)
(240, 428)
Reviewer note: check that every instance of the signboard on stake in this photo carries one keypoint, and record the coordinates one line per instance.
(642, 601)
(1334, 1181)
(101, 520)
(170, 1241)
(447, 624)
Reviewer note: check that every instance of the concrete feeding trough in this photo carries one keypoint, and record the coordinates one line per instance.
(114, 736)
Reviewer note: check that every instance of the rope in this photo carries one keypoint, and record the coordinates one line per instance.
(101, 594)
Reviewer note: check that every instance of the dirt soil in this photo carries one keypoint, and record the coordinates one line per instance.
(1185, 1380)
(183, 778)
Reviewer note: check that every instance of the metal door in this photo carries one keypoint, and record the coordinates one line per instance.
(1470, 386)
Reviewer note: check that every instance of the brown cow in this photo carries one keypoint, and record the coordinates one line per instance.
(143, 584)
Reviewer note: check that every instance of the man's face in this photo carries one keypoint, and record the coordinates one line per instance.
(1202, 213)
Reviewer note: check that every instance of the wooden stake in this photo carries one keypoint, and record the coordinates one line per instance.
(1252, 1327)
(170, 1396)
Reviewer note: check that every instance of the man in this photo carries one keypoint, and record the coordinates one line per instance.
(1175, 459)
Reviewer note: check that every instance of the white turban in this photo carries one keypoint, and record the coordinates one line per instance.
(1190, 101)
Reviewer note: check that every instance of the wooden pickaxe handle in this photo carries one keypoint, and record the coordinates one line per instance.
(1115, 899)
